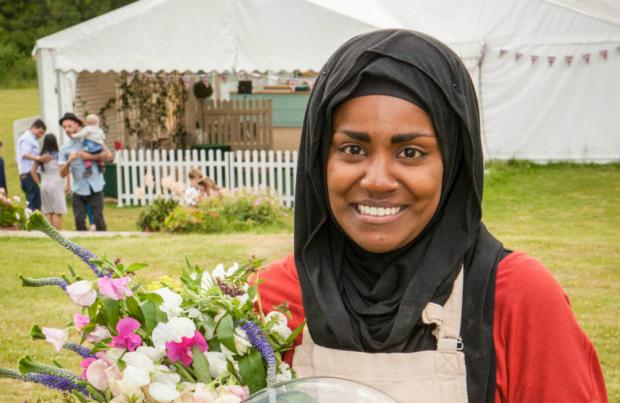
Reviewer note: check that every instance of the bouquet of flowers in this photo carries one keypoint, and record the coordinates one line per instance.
(201, 338)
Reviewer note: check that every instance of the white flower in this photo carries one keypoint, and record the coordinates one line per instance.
(56, 337)
(278, 323)
(172, 302)
(166, 182)
(148, 180)
(82, 292)
(174, 330)
(242, 344)
(284, 373)
(221, 273)
(140, 371)
(206, 282)
(17, 216)
(27, 213)
(218, 364)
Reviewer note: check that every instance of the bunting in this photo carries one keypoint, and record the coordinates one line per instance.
(586, 57)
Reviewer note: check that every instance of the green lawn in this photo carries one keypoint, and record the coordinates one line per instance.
(566, 215)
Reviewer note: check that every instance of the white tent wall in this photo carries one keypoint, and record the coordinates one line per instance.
(544, 112)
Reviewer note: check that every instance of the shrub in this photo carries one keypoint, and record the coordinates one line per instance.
(12, 216)
(236, 211)
(152, 217)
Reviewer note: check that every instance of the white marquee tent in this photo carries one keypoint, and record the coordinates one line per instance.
(547, 72)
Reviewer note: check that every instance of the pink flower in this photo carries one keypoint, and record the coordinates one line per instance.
(183, 350)
(242, 391)
(82, 293)
(56, 337)
(79, 321)
(96, 373)
(85, 363)
(115, 288)
(126, 337)
(98, 334)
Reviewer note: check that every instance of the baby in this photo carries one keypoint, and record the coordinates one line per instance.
(92, 139)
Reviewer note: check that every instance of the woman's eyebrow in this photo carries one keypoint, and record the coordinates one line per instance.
(404, 137)
(359, 136)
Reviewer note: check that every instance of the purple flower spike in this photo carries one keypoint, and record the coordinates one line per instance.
(54, 382)
(259, 341)
(38, 222)
(81, 350)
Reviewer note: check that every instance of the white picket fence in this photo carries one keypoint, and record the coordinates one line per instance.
(249, 169)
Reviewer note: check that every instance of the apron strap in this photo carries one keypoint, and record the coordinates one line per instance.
(447, 318)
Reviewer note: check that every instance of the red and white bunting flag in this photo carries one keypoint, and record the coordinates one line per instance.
(534, 59)
(603, 53)
(502, 52)
(586, 58)
(518, 56)
(551, 60)
(205, 80)
(568, 60)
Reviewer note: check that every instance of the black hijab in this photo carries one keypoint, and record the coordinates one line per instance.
(361, 301)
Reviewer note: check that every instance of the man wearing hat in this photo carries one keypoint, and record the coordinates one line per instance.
(27, 154)
(87, 190)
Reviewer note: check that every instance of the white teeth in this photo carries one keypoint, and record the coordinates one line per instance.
(378, 211)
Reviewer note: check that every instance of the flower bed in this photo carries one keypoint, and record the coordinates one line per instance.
(236, 211)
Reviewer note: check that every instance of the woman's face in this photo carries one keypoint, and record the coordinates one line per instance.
(384, 171)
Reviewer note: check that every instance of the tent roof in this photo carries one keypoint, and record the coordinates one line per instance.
(194, 35)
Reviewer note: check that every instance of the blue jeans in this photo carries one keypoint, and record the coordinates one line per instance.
(31, 189)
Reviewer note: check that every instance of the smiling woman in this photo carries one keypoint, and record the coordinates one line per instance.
(402, 286)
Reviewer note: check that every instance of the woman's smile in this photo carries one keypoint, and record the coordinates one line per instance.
(378, 213)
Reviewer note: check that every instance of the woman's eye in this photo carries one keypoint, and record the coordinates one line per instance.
(410, 153)
(353, 150)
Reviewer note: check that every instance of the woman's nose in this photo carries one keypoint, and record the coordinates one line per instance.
(378, 177)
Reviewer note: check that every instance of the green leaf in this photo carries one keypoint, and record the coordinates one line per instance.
(134, 309)
(225, 332)
(295, 333)
(86, 330)
(112, 308)
(134, 267)
(252, 371)
(37, 333)
(149, 312)
(151, 296)
(201, 365)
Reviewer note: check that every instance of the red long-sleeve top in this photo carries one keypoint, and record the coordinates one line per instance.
(542, 355)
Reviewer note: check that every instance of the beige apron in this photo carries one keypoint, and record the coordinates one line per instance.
(426, 376)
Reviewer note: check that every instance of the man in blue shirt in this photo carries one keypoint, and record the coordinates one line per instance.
(27, 154)
(87, 190)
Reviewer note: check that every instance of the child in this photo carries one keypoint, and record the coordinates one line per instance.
(192, 192)
(208, 188)
(93, 138)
